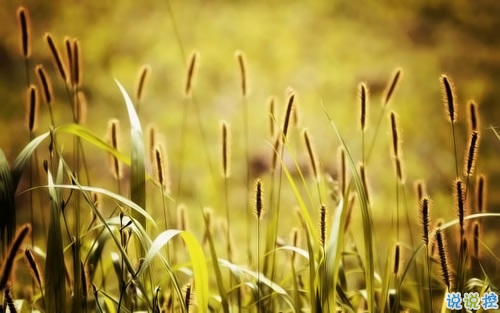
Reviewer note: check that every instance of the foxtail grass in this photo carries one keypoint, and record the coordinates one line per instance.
(388, 94)
(57, 58)
(363, 98)
(449, 101)
(9, 262)
(443, 259)
(142, 77)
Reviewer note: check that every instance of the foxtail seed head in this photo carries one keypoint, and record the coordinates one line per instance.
(449, 98)
(190, 74)
(56, 56)
(243, 74)
(45, 83)
(24, 20)
(363, 97)
(391, 86)
(32, 111)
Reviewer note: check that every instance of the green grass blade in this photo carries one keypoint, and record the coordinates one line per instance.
(137, 166)
(55, 284)
(218, 274)
(24, 157)
(366, 218)
(197, 257)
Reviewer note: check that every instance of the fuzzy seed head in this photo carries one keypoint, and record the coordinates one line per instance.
(289, 109)
(45, 84)
(362, 174)
(56, 56)
(242, 66)
(141, 82)
(473, 117)
(363, 96)
(113, 139)
(77, 63)
(443, 258)
(190, 74)
(425, 219)
(312, 155)
(472, 153)
(32, 108)
(24, 20)
(395, 135)
(460, 204)
(322, 225)
(449, 98)
(259, 203)
(391, 86)
(397, 256)
(481, 193)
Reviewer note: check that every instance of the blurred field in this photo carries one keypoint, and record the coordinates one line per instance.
(321, 49)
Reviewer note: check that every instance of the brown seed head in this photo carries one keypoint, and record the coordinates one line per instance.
(9, 261)
(312, 155)
(473, 117)
(259, 203)
(289, 108)
(363, 96)
(56, 56)
(190, 73)
(141, 82)
(322, 225)
(460, 203)
(32, 111)
(443, 258)
(24, 20)
(397, 256)
(113, 131)
(481, 193)
(472, 153)
(242, 66)
(425, 219)
(449, 98)
(77, 63)
(395, 135)
(45, 84)
(391, 86)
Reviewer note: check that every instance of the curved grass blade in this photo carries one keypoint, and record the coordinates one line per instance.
(366, 218)
(137, 166)
(24, 157)
(197, 257)
(55, 284)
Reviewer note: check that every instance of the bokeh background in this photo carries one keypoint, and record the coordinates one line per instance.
(321, 49)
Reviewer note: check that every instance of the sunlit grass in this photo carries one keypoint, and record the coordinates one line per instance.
(109, 247)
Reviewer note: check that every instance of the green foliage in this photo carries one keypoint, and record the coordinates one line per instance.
(90, 264)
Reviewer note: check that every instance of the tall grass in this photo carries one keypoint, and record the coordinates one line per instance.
(114, 255)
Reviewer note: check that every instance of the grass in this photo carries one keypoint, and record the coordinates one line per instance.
(121, 243)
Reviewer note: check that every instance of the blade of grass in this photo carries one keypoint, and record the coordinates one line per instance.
(55, 283)
(137, 166)
(366, 218)
(197, 257)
